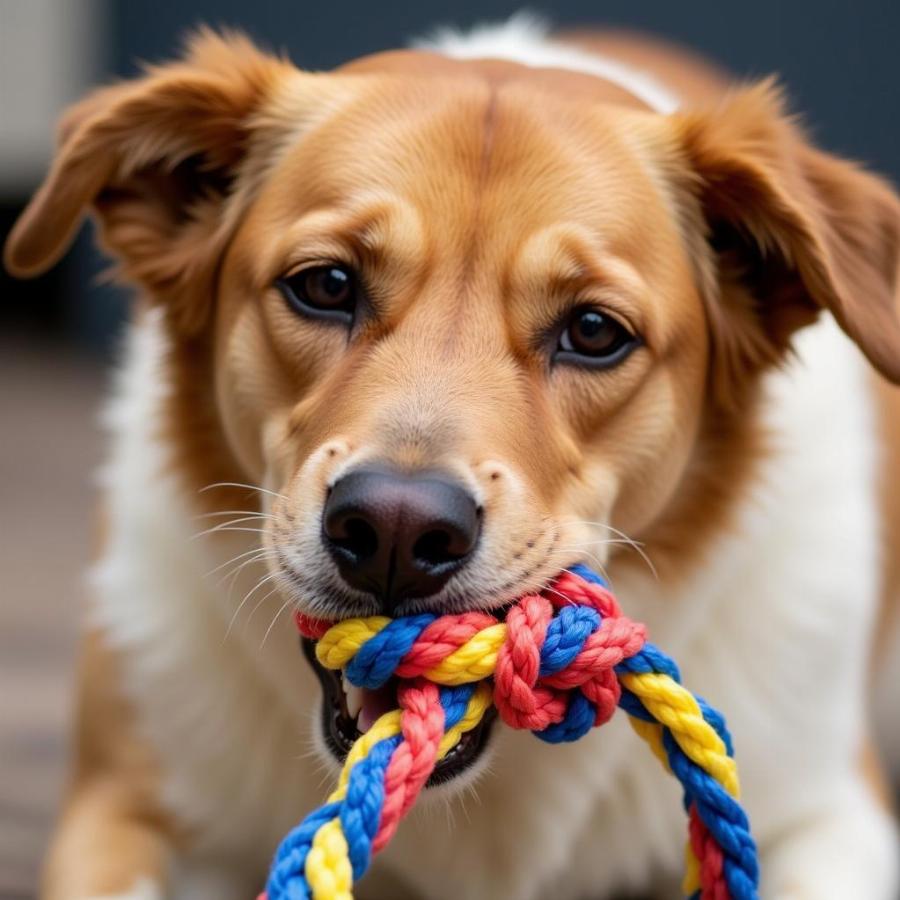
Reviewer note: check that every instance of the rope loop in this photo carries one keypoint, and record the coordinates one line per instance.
(559, 664)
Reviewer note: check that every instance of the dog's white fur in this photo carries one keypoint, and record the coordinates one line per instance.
(523, 39)
(772, 629)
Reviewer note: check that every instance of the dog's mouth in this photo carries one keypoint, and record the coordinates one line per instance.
(348, 712)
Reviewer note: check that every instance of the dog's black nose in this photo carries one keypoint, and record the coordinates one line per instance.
(398, 535)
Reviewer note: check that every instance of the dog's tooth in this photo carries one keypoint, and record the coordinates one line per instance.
(354, 697)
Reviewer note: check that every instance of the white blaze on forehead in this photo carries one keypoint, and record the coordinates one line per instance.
(523, 39)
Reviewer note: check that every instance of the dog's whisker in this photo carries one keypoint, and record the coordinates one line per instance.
(464, 796)
(451, 816)
(637, 546)
(600, 566)
(326, 776)
(551, 590)
(285, 605)
(256, 606)
(227, 526)
(616, 531)
(470, 793)
(260, 602)
(235, 512)
(604, 542)
(575, 550)
(579, 552)
(309, 753)
(263, 556)
(223, 528)
(239, 484)
(247, 596)
(234, 559)
(606, 525)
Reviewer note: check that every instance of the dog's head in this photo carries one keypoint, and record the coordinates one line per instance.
(468, 323)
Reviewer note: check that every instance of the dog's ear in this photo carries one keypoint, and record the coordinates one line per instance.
(155, 158)
(794, 231)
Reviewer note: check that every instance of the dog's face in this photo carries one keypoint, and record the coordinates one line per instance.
(469, 329)
(462, 317)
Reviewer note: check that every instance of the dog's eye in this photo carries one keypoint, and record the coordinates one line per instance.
(594, 338)
(322, 292)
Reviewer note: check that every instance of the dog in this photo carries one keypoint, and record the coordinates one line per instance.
(416, 334)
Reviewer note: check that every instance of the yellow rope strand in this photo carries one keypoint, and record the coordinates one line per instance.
(342, 642)
(479, 703)
(328, 870)
(473, 661)
(675, 707)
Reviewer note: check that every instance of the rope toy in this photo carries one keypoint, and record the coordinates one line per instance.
(558, 665)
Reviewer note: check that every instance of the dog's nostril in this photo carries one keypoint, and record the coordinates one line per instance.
(358, 537)
(434, 548)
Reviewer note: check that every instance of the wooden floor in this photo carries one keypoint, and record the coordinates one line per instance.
(49, 450)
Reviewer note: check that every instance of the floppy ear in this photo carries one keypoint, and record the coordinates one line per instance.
(794, 231)
(155, 158)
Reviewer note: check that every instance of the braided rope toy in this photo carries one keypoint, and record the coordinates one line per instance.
(558, 665)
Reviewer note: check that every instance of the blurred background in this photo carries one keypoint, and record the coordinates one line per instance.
(58, 334)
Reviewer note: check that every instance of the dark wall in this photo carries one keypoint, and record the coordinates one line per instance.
(839, 60)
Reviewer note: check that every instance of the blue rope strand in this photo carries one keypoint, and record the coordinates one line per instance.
(283, 883)
(565, 637)
(374, 663)
(361, 808)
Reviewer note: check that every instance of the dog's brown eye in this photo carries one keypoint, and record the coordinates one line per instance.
(594, 338)
(322, 292)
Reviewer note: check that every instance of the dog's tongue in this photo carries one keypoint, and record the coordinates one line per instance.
(374, 705)
(368, 706)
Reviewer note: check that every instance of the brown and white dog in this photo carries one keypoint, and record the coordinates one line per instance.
(419, 332)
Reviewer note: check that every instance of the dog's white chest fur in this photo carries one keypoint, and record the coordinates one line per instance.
(768, 630)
